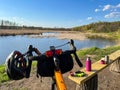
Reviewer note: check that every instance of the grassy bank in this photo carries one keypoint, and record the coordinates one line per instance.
(108, 36)
(3, 74)
(65, 34)
(94, 52)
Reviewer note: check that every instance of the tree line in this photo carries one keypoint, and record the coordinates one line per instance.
(99, 27)
(6, 24)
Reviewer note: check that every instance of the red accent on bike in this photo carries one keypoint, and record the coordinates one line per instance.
(50, 53)
(58, 52)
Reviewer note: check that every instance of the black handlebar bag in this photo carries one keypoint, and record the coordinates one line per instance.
(45, 67)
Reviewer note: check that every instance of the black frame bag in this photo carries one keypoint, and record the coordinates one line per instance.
(45, 67)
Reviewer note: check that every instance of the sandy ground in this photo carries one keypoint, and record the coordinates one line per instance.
(106, 81)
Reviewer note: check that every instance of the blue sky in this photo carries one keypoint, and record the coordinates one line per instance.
(59, 13)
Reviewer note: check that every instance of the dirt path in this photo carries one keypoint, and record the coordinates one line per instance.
(106, 81)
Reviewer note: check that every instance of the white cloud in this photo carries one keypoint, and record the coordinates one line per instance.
(113, 15)
(106, 7)
(89, 18)
(97, 10)
(118, 6)
(111, 7)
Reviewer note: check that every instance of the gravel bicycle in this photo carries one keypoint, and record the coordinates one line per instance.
(53, 63)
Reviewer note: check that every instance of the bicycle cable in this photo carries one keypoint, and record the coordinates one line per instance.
(62, 45)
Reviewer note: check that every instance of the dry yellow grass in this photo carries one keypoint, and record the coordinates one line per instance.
(19, 32)
(73, 35)
(7, 32)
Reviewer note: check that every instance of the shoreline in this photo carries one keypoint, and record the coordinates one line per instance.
(38, 33)
(63, 34)
(11, 32)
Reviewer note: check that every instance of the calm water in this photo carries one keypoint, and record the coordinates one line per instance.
(20, 43)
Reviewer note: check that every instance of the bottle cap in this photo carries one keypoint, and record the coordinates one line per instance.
(88, 58)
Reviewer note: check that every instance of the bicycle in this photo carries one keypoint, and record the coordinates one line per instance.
(50, 64)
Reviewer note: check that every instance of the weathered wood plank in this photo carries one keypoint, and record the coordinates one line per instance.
(91, 84)
(96, 68)
(115, 66)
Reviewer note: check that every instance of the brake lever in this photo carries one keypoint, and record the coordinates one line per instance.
(72, 45)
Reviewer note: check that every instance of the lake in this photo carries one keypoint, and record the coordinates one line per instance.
(21, 43)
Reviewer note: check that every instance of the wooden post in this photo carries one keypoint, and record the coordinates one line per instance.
(115, 66)
(91, 84)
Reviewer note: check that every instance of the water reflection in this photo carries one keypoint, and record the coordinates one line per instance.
(20, 43)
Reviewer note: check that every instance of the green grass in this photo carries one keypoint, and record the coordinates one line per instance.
(97, 52)
(3, 74)
(114, 35)
(34, 64)
(108, 36)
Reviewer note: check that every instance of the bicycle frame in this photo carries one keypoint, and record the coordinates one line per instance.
(58, 78)
(60, 81)
(58, 75)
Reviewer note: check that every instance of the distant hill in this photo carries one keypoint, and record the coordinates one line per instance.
(99, 27)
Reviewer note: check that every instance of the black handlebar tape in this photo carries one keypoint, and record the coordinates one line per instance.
(75, 55)
(77, 60)
(71, 41)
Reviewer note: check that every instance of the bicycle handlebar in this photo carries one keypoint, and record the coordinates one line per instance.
(72, 51)
(43, 56)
